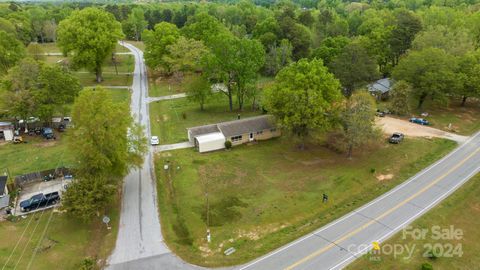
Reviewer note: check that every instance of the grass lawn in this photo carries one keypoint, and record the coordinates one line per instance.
(461, 210)
(66, 243)
(162, 86)
(168, 121)
(51, 47)
(38, 154)
(266, 195)
(109, 79)
(138, 44)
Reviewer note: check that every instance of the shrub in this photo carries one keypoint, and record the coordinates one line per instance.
(372, 170)
(228, 144)
(427, 266)
(184, 115)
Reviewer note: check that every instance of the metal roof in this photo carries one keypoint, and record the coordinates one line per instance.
(383, 85)
(216, 136)
(197, 131)
(247, 125)
(3, 183)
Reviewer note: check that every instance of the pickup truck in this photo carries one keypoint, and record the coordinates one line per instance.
(39, 200)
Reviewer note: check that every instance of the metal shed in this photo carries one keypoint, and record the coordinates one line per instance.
(210, 142)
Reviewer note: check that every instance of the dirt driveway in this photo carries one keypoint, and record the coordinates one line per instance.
(391, 125)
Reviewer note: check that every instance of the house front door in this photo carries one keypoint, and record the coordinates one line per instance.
(250, 138)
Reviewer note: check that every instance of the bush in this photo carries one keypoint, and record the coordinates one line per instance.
(228, 144)
(184, 115)
(373, 170)
(427, 266)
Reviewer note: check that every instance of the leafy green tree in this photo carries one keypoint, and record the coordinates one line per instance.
(36, 51)
(267, 31)
(199, 91)
(185, 55)
(203, 27)
(156, 43)
(55, 89)
(36, 89)
(406, 27)
(11, 51)
(38, 16)
(469, 73)
(431, 72)
(91, 35)
(278, 57)
(354, 68)
(136, 22)
(400, 98)
(235, 62)
(330, 48)
(358, 121)
(304, 98)
(105, 140)
(306, 18)
(454, 41)
(22, 23)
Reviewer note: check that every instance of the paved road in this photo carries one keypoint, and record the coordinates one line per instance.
(140, 242)
(168, 147)
(340, 242)
(180, 95)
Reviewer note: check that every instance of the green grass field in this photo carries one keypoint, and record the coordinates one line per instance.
(265, 195)
(66, 242)
(170, 119)
(460, 210)
(167, 86)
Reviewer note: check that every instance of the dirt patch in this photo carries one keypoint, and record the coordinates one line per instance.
(476, 207)
(165, 118)
(382, 177)
(48, 143)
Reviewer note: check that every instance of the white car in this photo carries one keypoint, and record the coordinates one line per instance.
(154, 140)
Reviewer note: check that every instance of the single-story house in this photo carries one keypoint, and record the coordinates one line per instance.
(213, 137)
(4, 197)
(381, 88)
(6, 131)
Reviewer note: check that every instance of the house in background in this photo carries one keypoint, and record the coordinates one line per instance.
(381, 88)
(4, 197)
(213, 137)
(6, 131)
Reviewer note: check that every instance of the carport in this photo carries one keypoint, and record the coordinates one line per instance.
(6, 131)
(210, 142)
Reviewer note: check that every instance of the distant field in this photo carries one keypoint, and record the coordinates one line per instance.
(170, 119)
(460, 210)
(168, 86)
(265, 195)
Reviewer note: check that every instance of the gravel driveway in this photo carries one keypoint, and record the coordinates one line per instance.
(390, 125)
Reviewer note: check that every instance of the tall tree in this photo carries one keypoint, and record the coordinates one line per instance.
(358, 121)
(236, 63)
(431, 72)
(199, 91)
(185, 55)
(36, 51)
(11, 51)
(156, 43)
(354, 68)
(400, 98)
(278, 56)
(406, 27)
(137, 22)
(107, 143)
(469, 73)
(203, 27)
(91, 35)
(330, 48)
(304, 98)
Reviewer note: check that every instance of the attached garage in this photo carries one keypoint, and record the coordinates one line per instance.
(6, 131)
(210, 142)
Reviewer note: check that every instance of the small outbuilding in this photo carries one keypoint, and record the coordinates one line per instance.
(4, 197)
(6, 131)
(381, 88)
(213, 137)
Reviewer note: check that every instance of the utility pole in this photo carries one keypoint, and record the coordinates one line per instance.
(208, 211)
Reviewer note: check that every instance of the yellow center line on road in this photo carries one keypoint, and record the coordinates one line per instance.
(361, 228)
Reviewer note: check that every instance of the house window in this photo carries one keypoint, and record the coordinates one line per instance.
(273, 129)
(236, 138)
(259, 132)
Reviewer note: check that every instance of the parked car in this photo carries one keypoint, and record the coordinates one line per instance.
(420, 121)
(154, 140)
(396, 137)
(61, 128)
(39, 200)
(47, 133)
